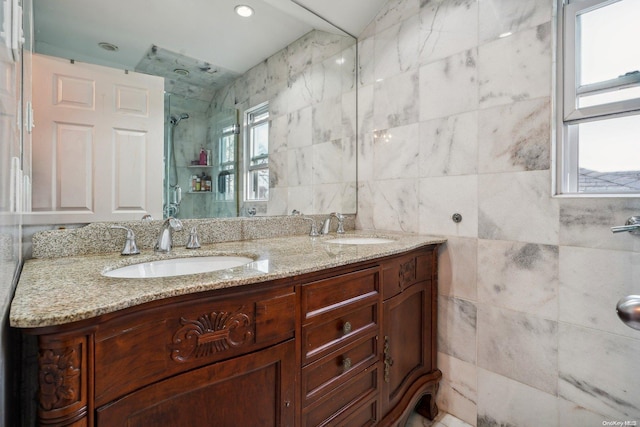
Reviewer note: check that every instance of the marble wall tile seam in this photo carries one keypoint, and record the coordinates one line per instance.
(603, 249)
(526, 277)
(516, 137)
(457, 90)
(513, 33)
(457, 329)
(393, 12)
(508, 403)
(515, 310)
(520, 383)
(552, 297)
(464, 372)
(604, 382)
(519, 346)
(517, 67)
(611, 334)
(586, 222)
(554, 301)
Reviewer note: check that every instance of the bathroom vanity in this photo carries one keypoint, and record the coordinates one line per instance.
(309, 334)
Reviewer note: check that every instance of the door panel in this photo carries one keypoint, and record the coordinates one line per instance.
(98, 143)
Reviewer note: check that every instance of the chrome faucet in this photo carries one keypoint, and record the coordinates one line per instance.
(327, 223)
(165, 239)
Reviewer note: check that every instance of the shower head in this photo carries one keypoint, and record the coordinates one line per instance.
(174, 120)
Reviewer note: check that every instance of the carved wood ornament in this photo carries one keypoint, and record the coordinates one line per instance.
(211, 333)
(407, 273)
(59, 378)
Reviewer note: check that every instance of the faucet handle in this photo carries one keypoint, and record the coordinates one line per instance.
(174, 223)
(632, 225)
(314, 227)
(340, 218)
(193, 242)
(130, 246)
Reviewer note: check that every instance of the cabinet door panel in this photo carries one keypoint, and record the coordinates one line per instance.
(253, 390)
(408, 342)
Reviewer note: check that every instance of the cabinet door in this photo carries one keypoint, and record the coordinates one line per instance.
(408, 341)
(252, 390)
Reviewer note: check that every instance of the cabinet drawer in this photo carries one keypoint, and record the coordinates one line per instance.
(338, 327)
(340, 403)
(147, 346)
(331, 371)
(404, 271)
(363, 416)
(318, 298)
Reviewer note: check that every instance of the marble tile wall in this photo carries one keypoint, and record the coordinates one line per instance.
(311, 90)
(455, 119)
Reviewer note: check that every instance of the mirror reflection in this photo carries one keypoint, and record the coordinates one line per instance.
(263, 139)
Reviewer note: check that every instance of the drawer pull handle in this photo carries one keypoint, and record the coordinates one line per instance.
(388, 361)
(346, 364)
(346, 328)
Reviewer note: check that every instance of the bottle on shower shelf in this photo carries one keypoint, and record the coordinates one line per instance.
(203, 157)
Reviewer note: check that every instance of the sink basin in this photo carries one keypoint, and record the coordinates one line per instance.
(359, 241)
(178, 267)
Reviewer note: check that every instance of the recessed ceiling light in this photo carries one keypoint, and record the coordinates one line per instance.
(181, 71)
(108, 46)
(244, 10)
(503, 35)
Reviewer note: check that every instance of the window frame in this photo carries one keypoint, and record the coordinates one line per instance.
(249, 124)
(568, 112)
(228, 165)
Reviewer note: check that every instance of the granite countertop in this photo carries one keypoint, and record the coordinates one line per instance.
(56, 291)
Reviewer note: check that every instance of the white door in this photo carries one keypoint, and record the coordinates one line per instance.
(97, 143)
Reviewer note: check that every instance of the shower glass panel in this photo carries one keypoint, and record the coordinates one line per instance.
(200, 162)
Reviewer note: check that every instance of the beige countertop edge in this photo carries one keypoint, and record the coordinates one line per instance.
(57, 291)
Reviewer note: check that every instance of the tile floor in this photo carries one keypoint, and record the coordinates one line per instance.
(442, 420)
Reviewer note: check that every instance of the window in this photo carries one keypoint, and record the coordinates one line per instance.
(227, 162)
(599, 130)
(256, 144)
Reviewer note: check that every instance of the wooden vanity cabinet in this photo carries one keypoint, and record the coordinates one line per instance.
(410, 374)
(350, 346)
(368, 343)
(214, 358)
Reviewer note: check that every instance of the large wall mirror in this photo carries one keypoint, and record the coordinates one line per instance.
(259, 113)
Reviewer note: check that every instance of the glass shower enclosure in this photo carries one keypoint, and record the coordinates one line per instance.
(200, 163)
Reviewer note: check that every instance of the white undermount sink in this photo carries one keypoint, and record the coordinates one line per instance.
(359, 241)
(178, 267)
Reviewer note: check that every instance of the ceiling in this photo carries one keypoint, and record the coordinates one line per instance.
(207, 31)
